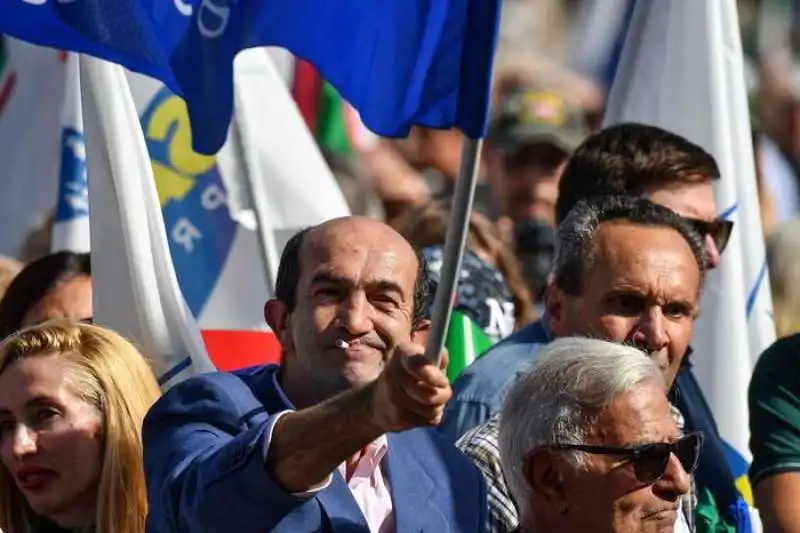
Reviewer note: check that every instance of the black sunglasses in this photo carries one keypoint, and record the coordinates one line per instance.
(649, 460)
(720, 230)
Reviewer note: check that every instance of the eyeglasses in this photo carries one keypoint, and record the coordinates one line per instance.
(649, 460)
(720, 230)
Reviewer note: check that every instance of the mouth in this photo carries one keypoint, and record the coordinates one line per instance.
(357, 345)
(34, 478)
(664, 513)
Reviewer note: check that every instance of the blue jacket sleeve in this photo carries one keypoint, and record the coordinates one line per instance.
(461, 415)
(204, 462)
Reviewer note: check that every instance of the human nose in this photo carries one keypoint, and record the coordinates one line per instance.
(675, 482)
(23, 441)
(355, 315)
(712, 253)
(650, 330)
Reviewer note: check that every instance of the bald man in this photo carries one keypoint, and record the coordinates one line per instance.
(338, 439)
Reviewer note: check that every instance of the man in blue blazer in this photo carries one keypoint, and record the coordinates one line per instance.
(338, 439)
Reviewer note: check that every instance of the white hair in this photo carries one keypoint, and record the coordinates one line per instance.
(558, 398)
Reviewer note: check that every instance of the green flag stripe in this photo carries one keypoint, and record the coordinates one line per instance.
(466, 341)
(331, 122)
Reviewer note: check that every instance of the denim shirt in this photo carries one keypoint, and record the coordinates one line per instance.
(479, 392)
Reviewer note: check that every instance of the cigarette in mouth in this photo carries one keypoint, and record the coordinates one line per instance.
(342, 344)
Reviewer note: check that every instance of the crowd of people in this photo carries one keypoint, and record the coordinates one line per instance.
(586, 259)
(588, 418)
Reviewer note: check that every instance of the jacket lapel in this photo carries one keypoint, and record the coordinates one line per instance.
(413, 498)
(338, 505)
(341, 508)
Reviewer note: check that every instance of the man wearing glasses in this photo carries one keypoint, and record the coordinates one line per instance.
(624, 159)
(588, 442)
(626, 270)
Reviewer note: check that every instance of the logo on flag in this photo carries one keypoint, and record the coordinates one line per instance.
(199, 228)
(73, 196)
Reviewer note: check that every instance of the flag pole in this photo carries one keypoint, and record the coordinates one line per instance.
(457, 230)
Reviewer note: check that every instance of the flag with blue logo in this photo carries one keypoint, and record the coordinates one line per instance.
(210, 232)
(135, 290)
(71, 226)
(399, 62)
(682, 69)
(224, 256)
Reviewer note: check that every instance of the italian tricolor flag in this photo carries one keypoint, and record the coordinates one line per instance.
(334, 123)
(465, 342)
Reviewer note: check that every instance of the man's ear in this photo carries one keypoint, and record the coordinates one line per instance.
(555, 304)
(541, 470)
(277, 317)
(420, 334)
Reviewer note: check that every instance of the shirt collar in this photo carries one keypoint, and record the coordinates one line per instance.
(545, 322)
(282, 395)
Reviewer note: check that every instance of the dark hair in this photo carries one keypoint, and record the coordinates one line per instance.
(36, 281)
(629, 158)
(289, 276)
(575, 235)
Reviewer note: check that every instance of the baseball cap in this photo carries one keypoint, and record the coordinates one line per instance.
(528, 114)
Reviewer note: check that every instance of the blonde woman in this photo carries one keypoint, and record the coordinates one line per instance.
(72, 400)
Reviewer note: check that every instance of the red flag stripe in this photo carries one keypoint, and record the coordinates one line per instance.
(230, 350)
(307, 92)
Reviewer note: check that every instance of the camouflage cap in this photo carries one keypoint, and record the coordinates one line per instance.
(529, 114)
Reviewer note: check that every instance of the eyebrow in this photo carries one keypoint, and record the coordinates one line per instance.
(37, 400)
(623, 289)
(380, 285)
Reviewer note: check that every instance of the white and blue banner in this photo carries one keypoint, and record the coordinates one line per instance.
(682, 70)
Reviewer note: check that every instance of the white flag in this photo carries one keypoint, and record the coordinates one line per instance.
(223, 259)
(269, 171)
(71, 228)
(682, 70)
(135, 291)
(31, 97)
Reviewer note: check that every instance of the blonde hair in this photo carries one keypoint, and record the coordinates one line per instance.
(114, 377)
(426, 225)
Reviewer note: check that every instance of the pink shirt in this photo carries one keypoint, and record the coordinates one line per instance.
(370, 487)
(368, 484)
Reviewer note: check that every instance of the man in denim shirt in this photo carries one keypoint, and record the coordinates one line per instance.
(626, 269)
(671, 171)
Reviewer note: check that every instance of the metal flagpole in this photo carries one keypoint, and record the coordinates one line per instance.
(463, 195)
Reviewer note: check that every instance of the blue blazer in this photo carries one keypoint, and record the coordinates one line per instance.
(204, 463)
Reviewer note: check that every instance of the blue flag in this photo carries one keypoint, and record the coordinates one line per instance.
(398, 62)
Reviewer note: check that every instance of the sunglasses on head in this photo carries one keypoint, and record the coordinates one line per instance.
(649, 460)
(719, 230)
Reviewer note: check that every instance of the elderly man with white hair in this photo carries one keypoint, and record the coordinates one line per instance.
(588, 442)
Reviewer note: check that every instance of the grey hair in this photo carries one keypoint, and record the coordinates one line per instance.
(559, 397)
(574, 252)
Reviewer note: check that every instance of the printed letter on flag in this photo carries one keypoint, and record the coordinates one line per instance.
(135, 288)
